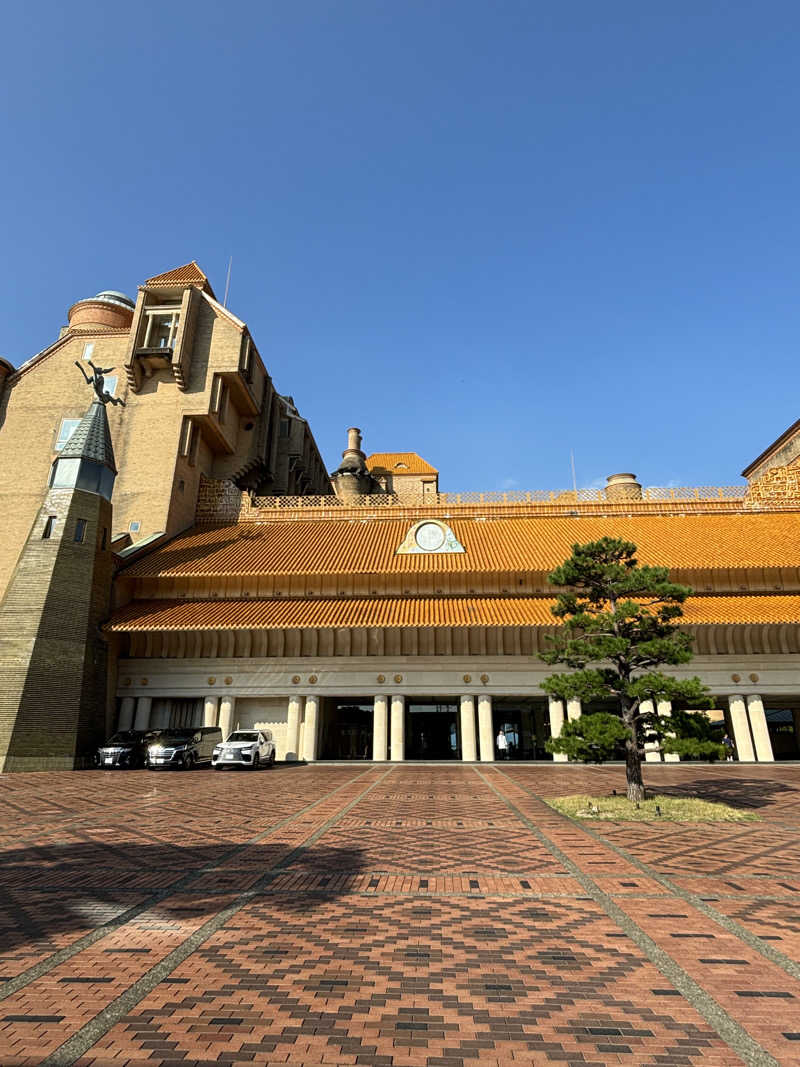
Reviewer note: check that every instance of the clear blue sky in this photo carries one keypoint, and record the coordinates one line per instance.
(488, 232)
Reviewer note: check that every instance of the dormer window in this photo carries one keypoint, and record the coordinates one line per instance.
(161, 330)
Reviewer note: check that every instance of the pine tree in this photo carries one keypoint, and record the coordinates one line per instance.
(619, 625)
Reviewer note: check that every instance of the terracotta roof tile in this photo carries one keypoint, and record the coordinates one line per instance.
(400, 612)
(188, 274)
(368, 546)
(399, 463)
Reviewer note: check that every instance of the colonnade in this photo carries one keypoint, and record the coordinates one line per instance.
(746, 715)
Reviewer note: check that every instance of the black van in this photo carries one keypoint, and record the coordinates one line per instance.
(126, 749)
(183, 747)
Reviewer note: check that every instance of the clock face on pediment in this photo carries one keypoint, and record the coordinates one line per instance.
(429, 537)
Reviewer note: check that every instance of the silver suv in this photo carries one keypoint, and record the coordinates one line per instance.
(245, 748)
(183, 748)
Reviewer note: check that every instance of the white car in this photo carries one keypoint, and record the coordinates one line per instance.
(245, 748)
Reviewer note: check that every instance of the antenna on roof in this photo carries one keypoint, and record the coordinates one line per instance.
(228, 283)
(574, 482)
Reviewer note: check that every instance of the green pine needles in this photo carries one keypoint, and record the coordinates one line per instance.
(619, 626)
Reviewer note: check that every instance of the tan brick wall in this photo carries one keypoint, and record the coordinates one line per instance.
(220, 502)
(53, 659)
(777, 486)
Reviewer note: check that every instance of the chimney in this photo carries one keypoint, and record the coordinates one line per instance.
(622, 487)
(352, 478)
(353, 441)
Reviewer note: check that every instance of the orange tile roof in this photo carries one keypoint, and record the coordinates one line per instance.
(399, 463)
(400, 612)
(188, 274)
(368, 546)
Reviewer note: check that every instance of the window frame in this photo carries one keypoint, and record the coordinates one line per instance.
(162, 311)
(64, 420)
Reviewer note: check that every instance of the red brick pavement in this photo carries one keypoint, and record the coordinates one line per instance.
(404, 915)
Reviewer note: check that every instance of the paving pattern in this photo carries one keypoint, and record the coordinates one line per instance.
(395, 915)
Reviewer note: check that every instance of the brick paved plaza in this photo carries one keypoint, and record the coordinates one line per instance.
(431, 915)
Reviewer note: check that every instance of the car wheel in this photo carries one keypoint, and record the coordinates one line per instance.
(271, 760)
(256, 762)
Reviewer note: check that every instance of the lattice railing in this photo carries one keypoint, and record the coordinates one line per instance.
(511, 496)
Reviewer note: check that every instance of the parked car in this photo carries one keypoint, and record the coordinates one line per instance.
(245, 748)
(126, 749)
(183, 748)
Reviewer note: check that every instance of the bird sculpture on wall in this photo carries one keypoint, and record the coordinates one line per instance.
(97, 382)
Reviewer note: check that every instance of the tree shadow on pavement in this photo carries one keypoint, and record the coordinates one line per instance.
(738, 792)
(52, 894)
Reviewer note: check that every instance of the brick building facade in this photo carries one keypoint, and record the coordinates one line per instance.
(199, 404)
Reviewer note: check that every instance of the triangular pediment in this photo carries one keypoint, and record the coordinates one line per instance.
(188, 274)
(430, 537)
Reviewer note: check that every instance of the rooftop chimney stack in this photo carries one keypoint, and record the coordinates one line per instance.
(622, 487)
(352, 479)
(353, 441)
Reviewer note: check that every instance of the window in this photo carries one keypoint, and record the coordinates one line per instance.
(190, 440)
(284, 432)
(246, 366)
(47, 532)
(104, 540)
(65, 431)
(80, 531)
(219, 398)
(161, 330)
(88, 349)
(110, 384)
(134, 526)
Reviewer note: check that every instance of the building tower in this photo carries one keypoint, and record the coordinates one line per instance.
(53, 660)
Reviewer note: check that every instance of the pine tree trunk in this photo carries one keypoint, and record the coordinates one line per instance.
(633, 759)
(633, 770)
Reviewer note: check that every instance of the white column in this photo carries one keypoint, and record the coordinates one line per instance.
(226, 706)
(485, 728)
(556, 725)
(664, 708)
(573, 709)
(758, 724)
(210, 710)
(398, 727)
(310, 732)
(741, 729)
(468, 749)
(652, 750)
(293, 728)
(380, 722)
(143, 706)
(126, 710)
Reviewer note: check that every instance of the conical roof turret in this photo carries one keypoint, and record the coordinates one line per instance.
(91, 438)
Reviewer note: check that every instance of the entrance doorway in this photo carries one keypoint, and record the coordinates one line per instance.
(346, 728)
(523, 723)
(432, 730)
(783, 723)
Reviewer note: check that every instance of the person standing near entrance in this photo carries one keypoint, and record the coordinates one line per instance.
(502, 745)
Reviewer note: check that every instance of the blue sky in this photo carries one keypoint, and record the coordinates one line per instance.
(488, 232)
